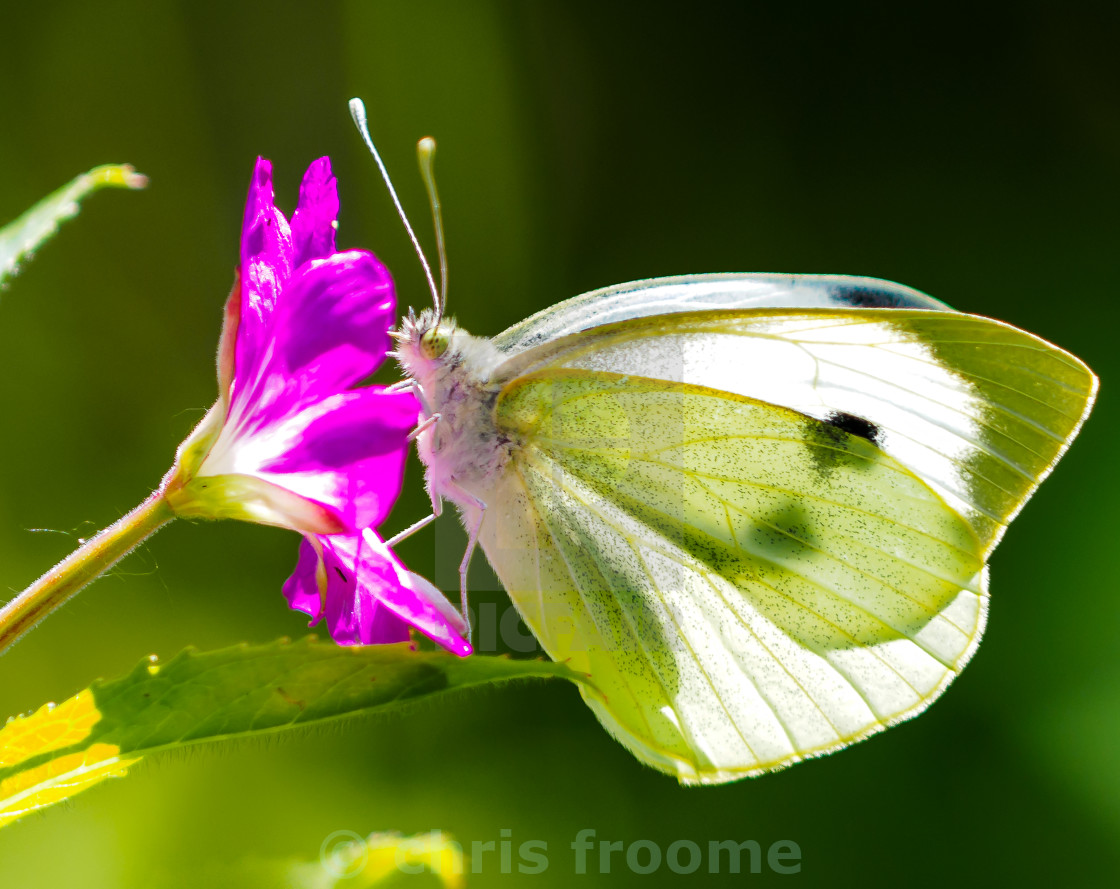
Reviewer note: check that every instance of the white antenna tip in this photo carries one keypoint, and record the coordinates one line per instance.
(358, 112)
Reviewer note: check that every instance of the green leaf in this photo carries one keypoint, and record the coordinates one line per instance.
(199, 697)
(20, 236)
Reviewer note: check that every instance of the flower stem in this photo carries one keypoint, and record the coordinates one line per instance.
(92, 559)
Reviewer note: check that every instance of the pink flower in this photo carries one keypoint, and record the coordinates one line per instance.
(370, 596)
(290, 442)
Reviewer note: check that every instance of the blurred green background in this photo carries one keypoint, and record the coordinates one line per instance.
(973, 153)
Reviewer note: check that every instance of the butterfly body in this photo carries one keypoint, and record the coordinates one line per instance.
(756, 509)
(462, 451)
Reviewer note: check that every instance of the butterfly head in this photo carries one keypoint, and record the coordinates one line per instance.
(436, 351)
(426, 343)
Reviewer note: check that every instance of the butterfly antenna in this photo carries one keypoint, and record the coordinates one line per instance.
(358, 112)
(426, 153)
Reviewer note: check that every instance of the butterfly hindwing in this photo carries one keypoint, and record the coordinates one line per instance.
(746, 584)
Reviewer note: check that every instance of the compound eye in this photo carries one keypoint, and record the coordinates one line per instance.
(434, 342)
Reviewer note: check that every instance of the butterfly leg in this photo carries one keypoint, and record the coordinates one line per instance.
(418, 391)
(473, 528)
(430, 418)
(410, 530)
(423, 427)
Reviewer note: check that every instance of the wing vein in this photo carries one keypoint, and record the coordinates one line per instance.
(700, 666)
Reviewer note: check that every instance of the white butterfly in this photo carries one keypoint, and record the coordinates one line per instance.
(755, 508)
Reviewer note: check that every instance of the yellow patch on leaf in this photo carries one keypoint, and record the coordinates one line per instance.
(59, 779)
(48, 728)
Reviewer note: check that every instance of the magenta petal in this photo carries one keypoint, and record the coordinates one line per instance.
(302, 589)
(369, 596)
(266, 254)
(313, 223)
(351, 452)
(411, 605)
(407, 601)
(334, 323)
(354, 615)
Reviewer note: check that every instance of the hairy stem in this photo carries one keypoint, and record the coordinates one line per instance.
(92, 559)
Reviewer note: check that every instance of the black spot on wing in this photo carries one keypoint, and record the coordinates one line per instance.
(833, 441)
(854, 425)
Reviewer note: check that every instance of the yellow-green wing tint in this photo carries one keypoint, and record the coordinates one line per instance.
(745, 584)
(976, 408)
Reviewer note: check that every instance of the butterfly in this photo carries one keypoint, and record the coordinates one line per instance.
(756, 509)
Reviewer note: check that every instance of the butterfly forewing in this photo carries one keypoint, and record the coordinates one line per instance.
(712, 292)
(746, 584)
(976, 408)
